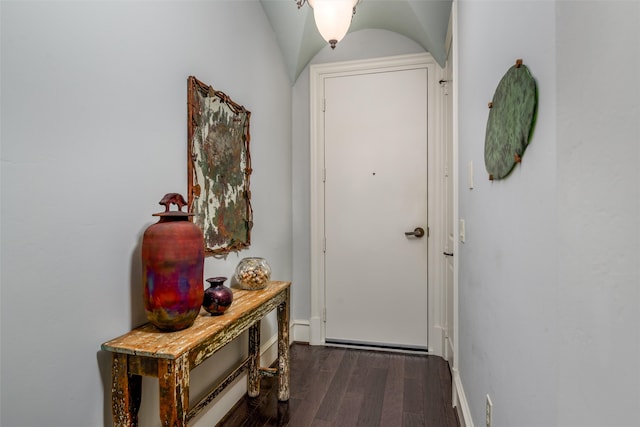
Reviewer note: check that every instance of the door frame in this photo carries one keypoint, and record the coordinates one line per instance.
(435, 187)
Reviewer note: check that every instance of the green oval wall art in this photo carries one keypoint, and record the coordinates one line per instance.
(512, 116)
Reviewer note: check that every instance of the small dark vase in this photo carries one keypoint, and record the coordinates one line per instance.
(218, 297)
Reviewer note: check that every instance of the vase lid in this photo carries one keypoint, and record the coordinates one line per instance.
(173, 199)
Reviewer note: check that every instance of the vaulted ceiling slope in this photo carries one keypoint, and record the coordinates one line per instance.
(424, 21)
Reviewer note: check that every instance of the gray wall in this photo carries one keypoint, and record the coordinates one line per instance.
(93, 135)
(93, 115)
(548, 281)
(598, 193)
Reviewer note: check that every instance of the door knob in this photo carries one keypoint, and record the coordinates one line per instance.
(418, 232)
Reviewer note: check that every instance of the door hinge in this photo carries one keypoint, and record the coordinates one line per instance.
(324, 104)
(324, 175)
(324, 314)
(324, 244)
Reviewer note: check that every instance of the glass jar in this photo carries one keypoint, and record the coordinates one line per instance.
(253, 273)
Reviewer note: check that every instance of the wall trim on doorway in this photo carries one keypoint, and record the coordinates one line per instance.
(318, 72)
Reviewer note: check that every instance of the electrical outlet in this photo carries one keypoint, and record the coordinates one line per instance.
(489, 410)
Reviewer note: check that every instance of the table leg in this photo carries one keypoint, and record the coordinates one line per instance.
(253, 377)
(126, 392)
(173, 379)
(283, 349)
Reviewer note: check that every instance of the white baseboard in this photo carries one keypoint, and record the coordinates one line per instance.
(300, 331)
(460, 401)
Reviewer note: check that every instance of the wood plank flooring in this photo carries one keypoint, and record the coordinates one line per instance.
(339, 387)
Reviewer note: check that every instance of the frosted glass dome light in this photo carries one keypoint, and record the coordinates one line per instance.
(333, 18)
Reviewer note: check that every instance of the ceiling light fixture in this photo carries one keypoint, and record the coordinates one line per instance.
(333, 17)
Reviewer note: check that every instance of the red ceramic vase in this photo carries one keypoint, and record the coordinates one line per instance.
(172, 268)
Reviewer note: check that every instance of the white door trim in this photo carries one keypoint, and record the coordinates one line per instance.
(318, 73)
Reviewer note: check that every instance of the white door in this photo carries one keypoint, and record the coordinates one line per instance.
(375, 140)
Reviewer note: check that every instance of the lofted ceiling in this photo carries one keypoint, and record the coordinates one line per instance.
(424, 21)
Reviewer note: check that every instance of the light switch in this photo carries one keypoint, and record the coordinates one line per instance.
(461, 231)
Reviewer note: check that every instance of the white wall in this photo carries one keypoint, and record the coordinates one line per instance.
(548, 282)
(93, 135)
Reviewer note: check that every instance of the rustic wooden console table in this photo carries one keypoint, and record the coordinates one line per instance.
(169, 356)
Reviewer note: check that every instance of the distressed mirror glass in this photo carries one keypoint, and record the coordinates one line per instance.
(219, 168)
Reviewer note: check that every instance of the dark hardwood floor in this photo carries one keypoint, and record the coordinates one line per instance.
(353, 388)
